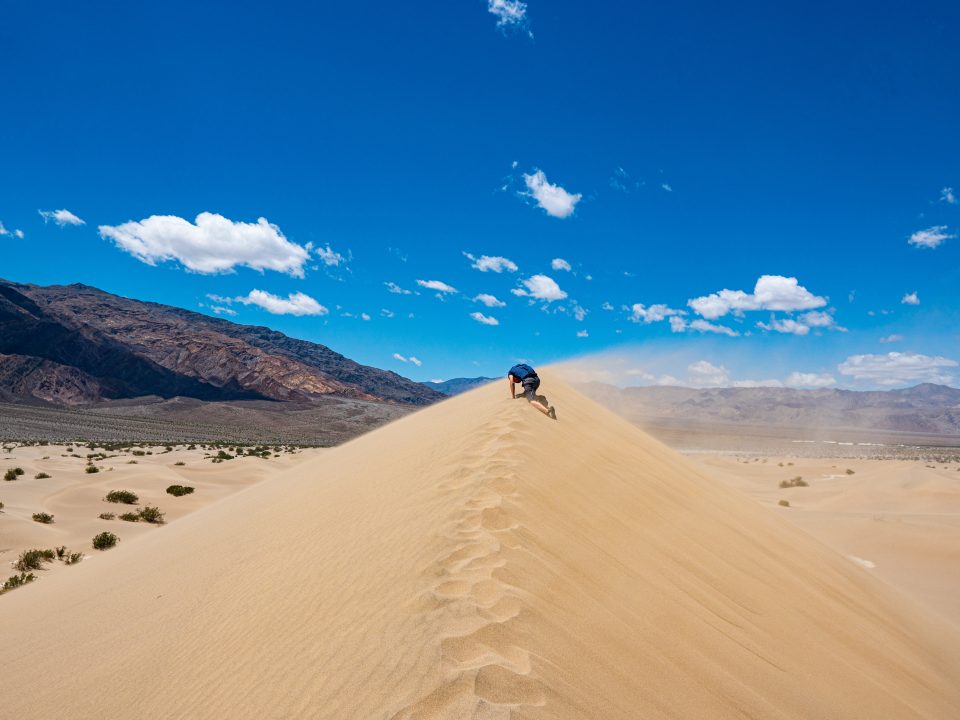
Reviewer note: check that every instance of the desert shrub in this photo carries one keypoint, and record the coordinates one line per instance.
(130, 517)
(224, 455)
(15, 581)
(122, 496)
(151, 515)
(131, 462)
(42, 517)
(107, 516)
(849, 471)
(73, 558)
(40, 476)
(33, 559)
(180, 463)
(784, 503)
(105, 540)
(139, 453)
(61, 551)
(13, 473)
(1, 506)
(794, 482)
(179, 490)
(92, 469)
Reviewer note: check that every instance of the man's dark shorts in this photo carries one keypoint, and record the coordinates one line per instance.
(530, 386)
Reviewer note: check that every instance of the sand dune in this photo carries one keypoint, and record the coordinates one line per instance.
(476, 560)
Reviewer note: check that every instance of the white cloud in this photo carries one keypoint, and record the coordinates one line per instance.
(386, 313)
(328, 256)
(220, 310)
(15, 233)
(810, 380)
(666, 187)
(910, 299)
(18, 233)
(756, 383)
(771, 292)
(556, 201)
(652, 314)
(540, 287)
(579, 312)
(582, 334)
(606, 306)
(679, 325)
(489, 300)
(213, 245)
(294, 304)
(560, 264)
(947, 196)
(438, 285)
(704, 374)
(787, 325)
(932, 237)
(510, 14)
(897, 368)
(364, 316)
(60, 217)
(818, 319)
(492, 263)
(411, 359)
(396, 289)
(484, 319)
(891, 339)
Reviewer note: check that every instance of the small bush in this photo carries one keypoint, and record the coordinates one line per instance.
(42, 517)
(40, 476)
(179, 490)
(784, 503)
(92, 469)
(1, 506)
(15, 581)
(11, 474)
(73, 558)
(223, 455)
(138, 453)
(131, 462)
(107, 516)
(794, 482)
(61, 551)
(105, 540)
(122, 496)
(151, 515)
(130, 517)
(849, 471)
(33, 559)
(180, 463)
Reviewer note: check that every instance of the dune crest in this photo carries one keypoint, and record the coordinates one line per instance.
(477, 560)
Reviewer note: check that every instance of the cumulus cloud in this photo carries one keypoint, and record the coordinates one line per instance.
(803, 324)
(607, 306)
(771, 292)
(510, 14)
(411, 359)
(438, 285)
(213, 244)
(579, 312)
(582, 334)
(364, 316)
(786, 325)
(896, 368)
(61, 217)
(540, 287)
(931, 238)
(810, 380)
(553, 199)
(396, 289)
(489, 300)
(15, 233)
(484, 319)
(220, 310)
(329, 257)
(639, 313)
(294, 304)
(679, 324)
(891, 339)
(947, 195)
(560, 264)
(491, 263)
(666, 187)
(910, 299)
(704, 374)
(757, 383)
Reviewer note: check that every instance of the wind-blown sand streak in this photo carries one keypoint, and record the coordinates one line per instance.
(478, 560)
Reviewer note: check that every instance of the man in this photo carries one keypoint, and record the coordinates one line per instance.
(527, 378)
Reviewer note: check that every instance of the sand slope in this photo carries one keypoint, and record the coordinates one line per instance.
(476, 560)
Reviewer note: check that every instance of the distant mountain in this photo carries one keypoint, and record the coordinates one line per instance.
(926, 408)
(458, 385)
(76, 344)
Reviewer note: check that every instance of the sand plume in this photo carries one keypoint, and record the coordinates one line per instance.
(477, 560)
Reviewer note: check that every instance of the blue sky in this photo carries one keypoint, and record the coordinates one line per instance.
(665, 154)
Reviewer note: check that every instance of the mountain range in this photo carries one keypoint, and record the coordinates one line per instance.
(75, 344)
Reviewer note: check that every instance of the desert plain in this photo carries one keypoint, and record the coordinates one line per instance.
(476, 560)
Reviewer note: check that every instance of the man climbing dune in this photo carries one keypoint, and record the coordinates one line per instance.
(527, 378)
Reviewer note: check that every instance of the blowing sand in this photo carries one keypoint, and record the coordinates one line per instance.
(477, 560)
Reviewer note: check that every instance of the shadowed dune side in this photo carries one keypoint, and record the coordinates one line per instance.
(477, 560)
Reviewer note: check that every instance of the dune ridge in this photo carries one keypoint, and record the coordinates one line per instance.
(476, 560)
